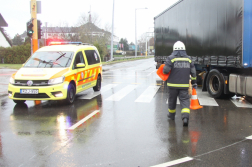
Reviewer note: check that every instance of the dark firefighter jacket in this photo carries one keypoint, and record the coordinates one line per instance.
(181, 67)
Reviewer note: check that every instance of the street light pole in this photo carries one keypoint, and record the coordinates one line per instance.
(146, 53)
(136, 31)
(135, 35)
(147, 46)
(112, 35)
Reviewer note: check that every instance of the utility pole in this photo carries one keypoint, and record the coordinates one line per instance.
(136, 30)
(112, 35)
(34, 38)
(146, 52)
(35, 26)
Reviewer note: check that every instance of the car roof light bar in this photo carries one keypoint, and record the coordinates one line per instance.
(65, 43)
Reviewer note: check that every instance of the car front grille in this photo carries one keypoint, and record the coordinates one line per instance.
(35, 82)
(32, 96)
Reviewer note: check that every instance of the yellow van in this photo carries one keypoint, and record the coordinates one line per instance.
(57, 72)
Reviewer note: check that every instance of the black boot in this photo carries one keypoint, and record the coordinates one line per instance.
(171, 116)
(185, 121)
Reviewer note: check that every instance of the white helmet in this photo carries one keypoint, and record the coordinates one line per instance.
(179, 46)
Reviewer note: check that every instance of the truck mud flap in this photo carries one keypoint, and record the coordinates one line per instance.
(226, 85)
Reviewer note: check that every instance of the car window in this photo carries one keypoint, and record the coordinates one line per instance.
(97, 58)
(50, 59)
(78, 59)
(92, 57)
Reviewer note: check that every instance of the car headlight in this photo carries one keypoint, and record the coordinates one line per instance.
(56, 80)
(12, 81)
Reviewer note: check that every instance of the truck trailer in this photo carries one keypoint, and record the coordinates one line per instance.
(218, 37)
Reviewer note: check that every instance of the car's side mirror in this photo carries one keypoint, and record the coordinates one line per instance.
(80, 65)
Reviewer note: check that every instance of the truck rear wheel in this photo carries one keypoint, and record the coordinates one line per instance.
(215, 84)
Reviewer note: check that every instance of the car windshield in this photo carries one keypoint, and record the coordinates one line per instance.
(50, 59)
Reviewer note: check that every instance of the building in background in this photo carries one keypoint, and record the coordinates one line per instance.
(88, 31)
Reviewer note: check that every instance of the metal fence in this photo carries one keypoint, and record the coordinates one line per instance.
(126, 58)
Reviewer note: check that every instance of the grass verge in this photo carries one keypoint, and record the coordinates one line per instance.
(11, 66)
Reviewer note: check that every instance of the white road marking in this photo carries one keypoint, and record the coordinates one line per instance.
(103, 89)
(148, 94)
(220, 148)
(206, 100)
(136, 83)
(151, 73)
(122, 93)
(83, 120)
(32, 157)
(175, 162)
(45, 148)
(241, 103)
(250, 137)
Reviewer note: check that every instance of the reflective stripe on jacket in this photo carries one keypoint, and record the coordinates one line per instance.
(181, 67)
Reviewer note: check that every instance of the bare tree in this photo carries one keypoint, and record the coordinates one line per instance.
(68, 33)
(90, 32)
(142, 42)
(91, 17)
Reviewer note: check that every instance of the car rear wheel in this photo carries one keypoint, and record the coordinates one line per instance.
(70, 94)
(19, 101)
(98, 84)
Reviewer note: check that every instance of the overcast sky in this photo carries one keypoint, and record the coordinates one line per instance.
(55, 12)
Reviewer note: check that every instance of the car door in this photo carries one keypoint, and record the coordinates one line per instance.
(80, 73)
(93, 61)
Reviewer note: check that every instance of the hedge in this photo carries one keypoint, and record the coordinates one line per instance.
(19, 54)
(16, 54)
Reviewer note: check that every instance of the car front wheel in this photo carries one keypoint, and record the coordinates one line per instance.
(70, 94)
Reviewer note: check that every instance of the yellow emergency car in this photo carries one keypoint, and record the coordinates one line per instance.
(57, 72)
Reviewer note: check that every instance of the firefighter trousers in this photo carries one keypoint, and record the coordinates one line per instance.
(184, 99)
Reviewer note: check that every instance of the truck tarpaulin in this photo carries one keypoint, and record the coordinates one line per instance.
(212, 31)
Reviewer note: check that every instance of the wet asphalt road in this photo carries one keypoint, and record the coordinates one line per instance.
(131, 129)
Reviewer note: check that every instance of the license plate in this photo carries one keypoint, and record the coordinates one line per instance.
(29, 91)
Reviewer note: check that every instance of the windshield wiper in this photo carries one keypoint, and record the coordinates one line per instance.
(69, 58)
(63, 54)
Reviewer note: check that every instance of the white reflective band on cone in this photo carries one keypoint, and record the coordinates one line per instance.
(194, 97)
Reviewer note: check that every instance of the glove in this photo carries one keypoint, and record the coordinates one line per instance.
(194, 85)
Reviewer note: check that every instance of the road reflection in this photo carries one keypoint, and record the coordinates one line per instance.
(177, 139)
(52, 119)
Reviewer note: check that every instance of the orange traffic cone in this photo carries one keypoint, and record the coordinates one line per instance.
(37, 102)
(194, 101)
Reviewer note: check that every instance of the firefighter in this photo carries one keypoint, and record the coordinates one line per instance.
(181, 66)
